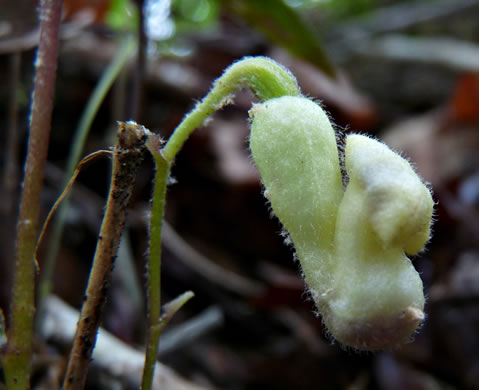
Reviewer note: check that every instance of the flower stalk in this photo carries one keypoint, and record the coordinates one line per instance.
(266, 79)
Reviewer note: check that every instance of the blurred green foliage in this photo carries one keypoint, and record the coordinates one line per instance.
(281, 24)
(191, 15)
(122, 15)
(280, 21)
(187, 15)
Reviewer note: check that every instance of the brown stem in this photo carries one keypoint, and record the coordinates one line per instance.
(17, 362)
(127, 156)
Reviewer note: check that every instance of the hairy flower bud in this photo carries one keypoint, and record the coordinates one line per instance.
(352, 244)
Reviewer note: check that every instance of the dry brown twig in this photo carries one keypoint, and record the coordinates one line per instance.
(127, 156)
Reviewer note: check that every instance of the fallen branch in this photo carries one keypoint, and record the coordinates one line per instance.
(111, 355)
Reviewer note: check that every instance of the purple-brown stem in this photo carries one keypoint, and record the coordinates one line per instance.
(17, 361)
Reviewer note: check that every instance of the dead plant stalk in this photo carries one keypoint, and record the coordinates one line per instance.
(128, 154)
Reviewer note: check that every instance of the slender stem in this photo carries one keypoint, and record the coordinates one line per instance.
(127, 157)
(81, 133)
(266, 79)
(154, 268)
(17, 363)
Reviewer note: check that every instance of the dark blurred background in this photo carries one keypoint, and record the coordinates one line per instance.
(406, 72)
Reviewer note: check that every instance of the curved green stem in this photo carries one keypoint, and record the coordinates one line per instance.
(263, 76)
(266, 79)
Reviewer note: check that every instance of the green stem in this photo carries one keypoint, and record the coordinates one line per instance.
(109, 76)
(155, 330)
(266, 79)
(18, 356)
(154, 268)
